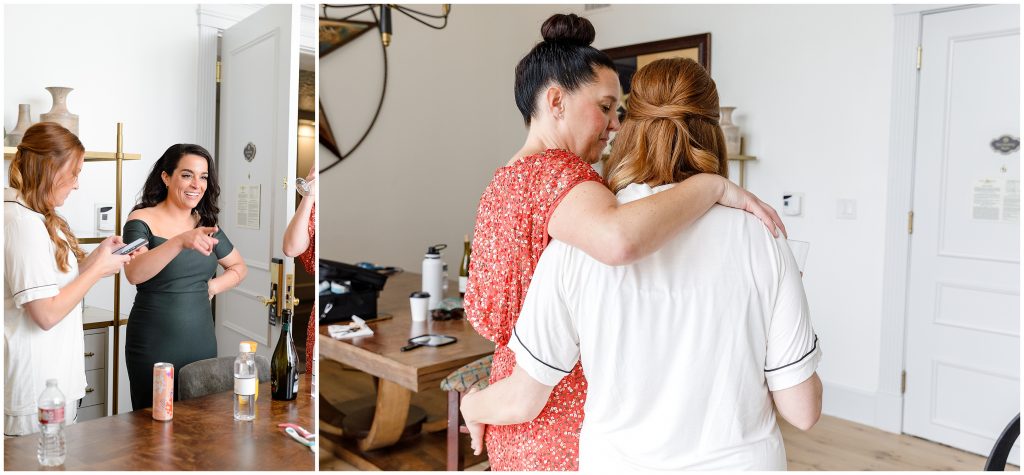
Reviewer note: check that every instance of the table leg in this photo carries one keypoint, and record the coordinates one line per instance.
(389, 416)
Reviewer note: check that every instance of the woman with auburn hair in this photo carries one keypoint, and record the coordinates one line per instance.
(671, 129)
(721, 304)
(568, 94)
(176, 275)
(46, 276)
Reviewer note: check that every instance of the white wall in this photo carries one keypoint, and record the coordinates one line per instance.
(812, 87)
(449, 120)
(127, 63)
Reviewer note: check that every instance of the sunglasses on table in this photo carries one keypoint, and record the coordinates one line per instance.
(442, 314)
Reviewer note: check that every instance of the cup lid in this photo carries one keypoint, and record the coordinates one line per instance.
(419, 295)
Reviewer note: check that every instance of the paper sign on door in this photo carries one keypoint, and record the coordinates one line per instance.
(248, 206)
(996, 200)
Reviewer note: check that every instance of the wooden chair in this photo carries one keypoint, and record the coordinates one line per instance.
(997, 459)
(473, 375)
(214, 375)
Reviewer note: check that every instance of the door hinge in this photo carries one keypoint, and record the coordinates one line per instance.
(218, 71)
(910, 222)
(919, 57)
(903, 382)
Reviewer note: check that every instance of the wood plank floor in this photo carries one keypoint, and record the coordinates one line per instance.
(833, 444)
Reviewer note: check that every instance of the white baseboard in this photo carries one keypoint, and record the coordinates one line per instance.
(879, 410)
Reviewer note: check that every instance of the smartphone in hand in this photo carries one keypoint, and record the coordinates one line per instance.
(128, 248)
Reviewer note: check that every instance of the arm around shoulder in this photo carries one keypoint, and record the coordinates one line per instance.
(591, 218)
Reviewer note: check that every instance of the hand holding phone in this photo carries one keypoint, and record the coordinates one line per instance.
(128, 248)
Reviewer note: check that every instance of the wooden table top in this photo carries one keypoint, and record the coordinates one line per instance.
(380, 354)
(202, 436)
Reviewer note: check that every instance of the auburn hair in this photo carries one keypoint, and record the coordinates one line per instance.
(670, 131)
(46, 148)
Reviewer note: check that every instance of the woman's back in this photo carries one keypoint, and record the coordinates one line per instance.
(679, 346)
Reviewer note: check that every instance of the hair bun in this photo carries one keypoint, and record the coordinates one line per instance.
(570, 29)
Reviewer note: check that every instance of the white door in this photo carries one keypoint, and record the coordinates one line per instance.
(963, 311)
(258, 113)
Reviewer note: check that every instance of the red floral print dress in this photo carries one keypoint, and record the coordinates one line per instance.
(308, 258)
(510, 235)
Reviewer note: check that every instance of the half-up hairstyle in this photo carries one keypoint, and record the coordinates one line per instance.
(565, 57)
(44, 150)
(671, 129)
(154, 191)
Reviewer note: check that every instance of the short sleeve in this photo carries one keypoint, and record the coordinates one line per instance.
(308, 257)
(30, 268)
(224, 246)
(571, 172)
(135, 229)
(793, 351)
(545, 339)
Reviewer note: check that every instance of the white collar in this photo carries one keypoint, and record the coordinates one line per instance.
(11, 195)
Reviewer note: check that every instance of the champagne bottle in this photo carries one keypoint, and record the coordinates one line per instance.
(284, 365)
(464, 268)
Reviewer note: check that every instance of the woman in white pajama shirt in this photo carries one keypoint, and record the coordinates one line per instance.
(46, 276)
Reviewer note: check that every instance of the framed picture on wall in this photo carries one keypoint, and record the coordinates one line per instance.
(628, 59)
(335, 33)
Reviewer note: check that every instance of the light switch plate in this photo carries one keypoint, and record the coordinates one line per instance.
(846, 208)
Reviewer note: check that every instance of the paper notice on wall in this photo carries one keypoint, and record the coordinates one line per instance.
(1011, 201)
(248, 207)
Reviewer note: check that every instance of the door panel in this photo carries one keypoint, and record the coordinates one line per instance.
(963, 312)
(258, 113)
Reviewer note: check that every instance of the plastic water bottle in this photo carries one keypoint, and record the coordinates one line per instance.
(245, 383)
(52, 449)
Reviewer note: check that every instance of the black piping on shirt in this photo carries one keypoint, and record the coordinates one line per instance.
(531, 353)
(19, 204)
(801, 358)
(30, 288)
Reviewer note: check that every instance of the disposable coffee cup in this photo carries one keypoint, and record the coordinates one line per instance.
(418, 302)
(799, 249)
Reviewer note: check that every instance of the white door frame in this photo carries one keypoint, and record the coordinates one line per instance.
(213, 20)
(902, 146)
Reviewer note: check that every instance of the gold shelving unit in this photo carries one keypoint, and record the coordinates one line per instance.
(119, 157)
(742, 159)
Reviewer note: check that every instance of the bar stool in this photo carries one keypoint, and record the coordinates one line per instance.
(473, 375)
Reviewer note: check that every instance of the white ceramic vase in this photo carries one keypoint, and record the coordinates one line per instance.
(731, 131)
(59, 112)
(13, 138)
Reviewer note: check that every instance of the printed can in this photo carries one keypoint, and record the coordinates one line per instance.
(163, 391)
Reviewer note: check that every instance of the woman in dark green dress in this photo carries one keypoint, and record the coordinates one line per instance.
(176, 275)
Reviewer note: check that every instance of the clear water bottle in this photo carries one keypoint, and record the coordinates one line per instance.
(245, 383)
(52, 449)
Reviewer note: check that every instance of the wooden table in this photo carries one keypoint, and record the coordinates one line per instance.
(202, 436)
(402, 373)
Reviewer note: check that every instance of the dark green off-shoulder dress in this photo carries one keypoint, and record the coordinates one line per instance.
(171, 320)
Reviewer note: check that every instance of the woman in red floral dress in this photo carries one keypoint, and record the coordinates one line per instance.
(568, 93)
(300, 240)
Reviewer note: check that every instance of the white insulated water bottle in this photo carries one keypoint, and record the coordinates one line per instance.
(433, 275)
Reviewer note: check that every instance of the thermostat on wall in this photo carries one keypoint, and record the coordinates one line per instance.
(792, 204)
(104, 216)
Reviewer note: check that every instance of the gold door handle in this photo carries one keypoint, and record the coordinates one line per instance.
(268, 302)
(90, 354)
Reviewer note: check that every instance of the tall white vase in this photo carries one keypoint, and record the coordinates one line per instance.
(731, 131)
(59, 112)
(13, 138)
